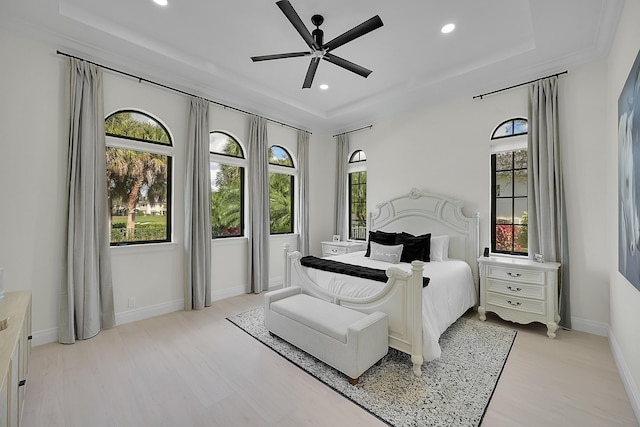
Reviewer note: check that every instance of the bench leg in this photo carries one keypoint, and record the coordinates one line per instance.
(353, 381)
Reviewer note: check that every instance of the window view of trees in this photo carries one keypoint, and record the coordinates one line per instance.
(138, 180)
(509, 208)
(227, 186)
(357, 196)
(281, 184)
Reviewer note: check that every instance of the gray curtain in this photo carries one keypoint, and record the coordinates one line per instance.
(197, 287)
(86, 300)
(547, 213)
(342, 161)
(303, 174)
(259, 230)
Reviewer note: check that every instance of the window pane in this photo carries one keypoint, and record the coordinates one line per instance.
(281, 203)
(280, 156)
(520, 211)
(221, 143)
(521, 239)
(520, 126)
(504, 187)
(138, 126)
(358, 205)
(504, 161)
(521, 184)
(227, 193)
(520, 159)
(505, 129)
(504, 238)
(138, 195)
(358, 156)
(504, 211)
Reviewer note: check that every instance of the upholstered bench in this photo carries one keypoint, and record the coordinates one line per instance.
(348, 340)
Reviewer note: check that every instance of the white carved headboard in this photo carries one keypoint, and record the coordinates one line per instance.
(420, 212)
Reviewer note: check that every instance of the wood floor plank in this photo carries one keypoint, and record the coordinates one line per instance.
(197, 369)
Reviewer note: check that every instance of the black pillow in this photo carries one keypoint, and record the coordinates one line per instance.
(415, 247)
(381, 237)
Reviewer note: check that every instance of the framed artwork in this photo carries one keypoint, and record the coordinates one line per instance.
(629, 177)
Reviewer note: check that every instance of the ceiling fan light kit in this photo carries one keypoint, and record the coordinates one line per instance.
(315, 41)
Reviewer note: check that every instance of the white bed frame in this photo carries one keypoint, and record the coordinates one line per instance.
(416, 213)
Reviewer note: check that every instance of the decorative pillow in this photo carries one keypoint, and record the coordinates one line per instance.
(439, 248)
(415, 247)
(387, 253)
(381, 237)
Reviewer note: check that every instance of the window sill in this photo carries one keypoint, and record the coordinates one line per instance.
(144, 247)
(507, 256)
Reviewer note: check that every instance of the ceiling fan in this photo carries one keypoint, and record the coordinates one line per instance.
(319, 49)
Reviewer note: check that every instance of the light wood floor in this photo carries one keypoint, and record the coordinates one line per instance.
(197, 369)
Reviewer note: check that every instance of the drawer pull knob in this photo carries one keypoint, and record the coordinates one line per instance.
(516, 304)
(512, 289)
(514, 274)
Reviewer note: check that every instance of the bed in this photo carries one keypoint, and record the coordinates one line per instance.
(417, 315)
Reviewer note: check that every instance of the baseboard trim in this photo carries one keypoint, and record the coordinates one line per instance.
(44, 336)
(625, 374)
(589, 326)
(228, 293)
(150, 311)
(47, 336)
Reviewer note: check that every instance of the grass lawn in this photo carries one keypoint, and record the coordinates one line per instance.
(141, 219)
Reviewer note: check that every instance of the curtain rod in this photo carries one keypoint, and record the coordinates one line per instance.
(518, 85)
(352, 131)
(142, 79)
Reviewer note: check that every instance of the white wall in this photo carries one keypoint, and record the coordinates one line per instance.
(624, 297)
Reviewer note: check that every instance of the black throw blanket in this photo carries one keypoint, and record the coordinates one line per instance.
(350, 269)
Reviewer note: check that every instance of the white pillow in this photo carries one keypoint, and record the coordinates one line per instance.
(386, 253)
(439, 248)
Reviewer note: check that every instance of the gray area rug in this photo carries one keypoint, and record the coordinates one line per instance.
(454, 390)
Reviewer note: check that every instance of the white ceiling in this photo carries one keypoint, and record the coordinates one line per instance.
(204, 47)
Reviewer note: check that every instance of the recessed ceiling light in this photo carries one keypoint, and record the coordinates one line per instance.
(161, 2)
(448, 28)
(324, 86)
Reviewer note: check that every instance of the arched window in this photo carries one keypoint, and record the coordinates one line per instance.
(357, 170)
(227, 163)
(281, 196)
(139, 157)
(509, 187)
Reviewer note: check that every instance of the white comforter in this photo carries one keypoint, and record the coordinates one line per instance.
(449, 294)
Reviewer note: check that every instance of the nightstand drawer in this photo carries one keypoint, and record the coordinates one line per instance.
(513, 274)
(516, 303)
(516, 289)
(333, 250)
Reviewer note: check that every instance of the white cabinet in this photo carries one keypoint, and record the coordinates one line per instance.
(520, 290)
(339, 248)
(15, 349)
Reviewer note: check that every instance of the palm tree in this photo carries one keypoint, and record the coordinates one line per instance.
(130, 173)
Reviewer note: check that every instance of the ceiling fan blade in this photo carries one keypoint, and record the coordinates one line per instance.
(279, 56)
(295, 20)
(354, 33)
(311, 73)
(348, 65)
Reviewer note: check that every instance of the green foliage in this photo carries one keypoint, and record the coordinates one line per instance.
(280, 203)
(226, 202)
(358, 209)
(133, 125)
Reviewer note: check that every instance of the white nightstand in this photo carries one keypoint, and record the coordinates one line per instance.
(520, 290)
(339, 248)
